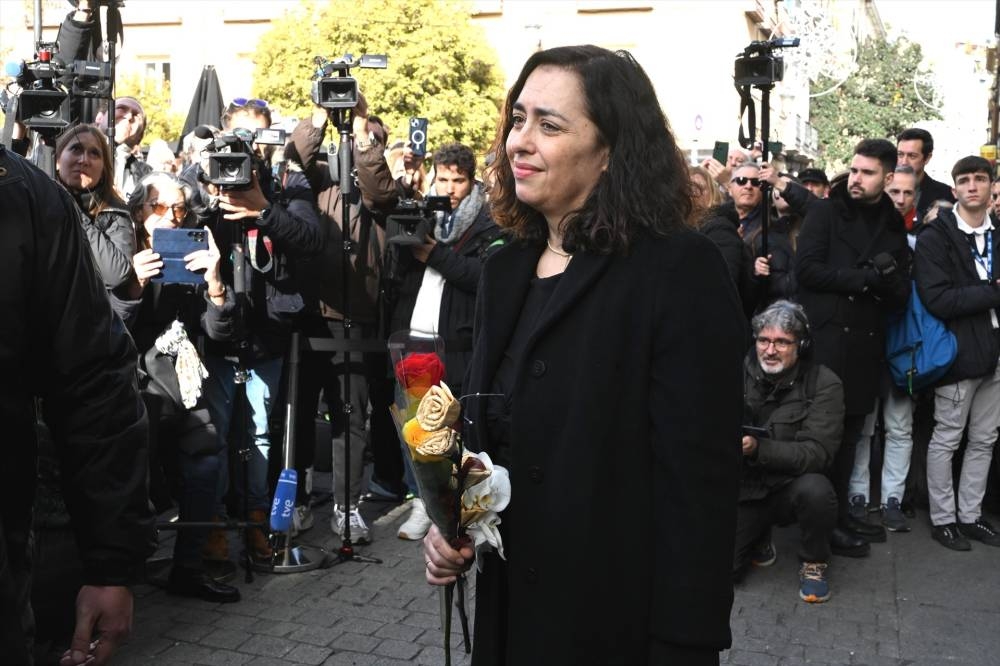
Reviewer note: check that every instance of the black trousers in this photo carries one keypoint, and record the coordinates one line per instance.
(808, 500)
(843, 463)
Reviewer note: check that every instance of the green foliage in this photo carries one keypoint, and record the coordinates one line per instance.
(876, 101)
(154, 93)
(440, 65)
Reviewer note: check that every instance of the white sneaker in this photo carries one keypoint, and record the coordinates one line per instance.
(417, 524)
(359, 530)
(302, 519)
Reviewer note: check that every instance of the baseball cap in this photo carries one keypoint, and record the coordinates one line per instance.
(813, 176)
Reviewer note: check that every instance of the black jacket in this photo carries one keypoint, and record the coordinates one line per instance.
(804, 415)
(272, 296)
(61, 341)
(951, 290)
(610, 408)
(845, 298)
(460, 264)
(111, 235)
(929, 191)
(722, 224)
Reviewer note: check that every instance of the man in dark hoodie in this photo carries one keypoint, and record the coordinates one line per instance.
(851, 266)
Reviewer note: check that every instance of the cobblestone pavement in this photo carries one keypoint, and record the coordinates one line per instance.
(912, 602)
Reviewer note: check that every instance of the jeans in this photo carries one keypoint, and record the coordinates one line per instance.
(972, 402)
(261, 388)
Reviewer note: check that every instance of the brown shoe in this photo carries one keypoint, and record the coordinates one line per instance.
(259, 546)
(216, 548)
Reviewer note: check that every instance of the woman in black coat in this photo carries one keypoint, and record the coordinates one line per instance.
(615, 336)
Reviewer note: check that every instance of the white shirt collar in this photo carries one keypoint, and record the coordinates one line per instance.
(967, 228)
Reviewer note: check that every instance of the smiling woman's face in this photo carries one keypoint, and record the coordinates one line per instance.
(81, 162)
(555, 150)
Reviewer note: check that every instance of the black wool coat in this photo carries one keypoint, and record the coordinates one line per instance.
(847, 315)
(625, 450)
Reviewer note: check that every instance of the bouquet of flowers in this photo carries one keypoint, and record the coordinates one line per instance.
(463, 492)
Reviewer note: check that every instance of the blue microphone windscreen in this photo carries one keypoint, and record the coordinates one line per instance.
(12, 69)
(283, 506)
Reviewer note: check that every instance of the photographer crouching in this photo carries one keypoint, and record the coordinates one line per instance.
(273, 222)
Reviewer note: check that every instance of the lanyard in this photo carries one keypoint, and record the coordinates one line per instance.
(987, 262)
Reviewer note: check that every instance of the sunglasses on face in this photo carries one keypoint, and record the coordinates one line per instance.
(178, 210)
(743, 180)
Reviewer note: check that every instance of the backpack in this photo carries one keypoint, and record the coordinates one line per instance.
(918, 346)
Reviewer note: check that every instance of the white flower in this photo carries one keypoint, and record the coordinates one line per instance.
(482, 504)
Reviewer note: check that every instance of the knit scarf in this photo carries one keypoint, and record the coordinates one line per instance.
(449, 230)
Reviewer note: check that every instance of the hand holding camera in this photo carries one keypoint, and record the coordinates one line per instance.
(244, 204)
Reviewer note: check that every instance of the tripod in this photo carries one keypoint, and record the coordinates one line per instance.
(341, 171)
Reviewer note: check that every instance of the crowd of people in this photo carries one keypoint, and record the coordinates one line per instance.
(589, 395)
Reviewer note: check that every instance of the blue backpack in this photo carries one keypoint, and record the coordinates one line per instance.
(918, 346)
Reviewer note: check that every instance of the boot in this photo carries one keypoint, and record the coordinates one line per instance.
(216, 548)
(260, 549)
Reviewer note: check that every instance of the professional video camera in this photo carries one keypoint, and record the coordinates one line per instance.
(411, 222)
(340, 91)
(230, 164)
(759, 66)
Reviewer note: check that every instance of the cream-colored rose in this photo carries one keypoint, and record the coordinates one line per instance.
(438, 408)
(439, 444)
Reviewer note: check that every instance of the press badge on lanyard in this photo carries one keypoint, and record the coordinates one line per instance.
(985, 262)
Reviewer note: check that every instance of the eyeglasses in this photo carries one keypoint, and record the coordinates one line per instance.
(178, 210)
(743, 180)
(780, 344)
(242, 102)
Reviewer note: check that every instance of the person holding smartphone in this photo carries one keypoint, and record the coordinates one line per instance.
(784, 452)
(166, 321)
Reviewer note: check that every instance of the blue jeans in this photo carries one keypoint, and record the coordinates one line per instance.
(261, 388)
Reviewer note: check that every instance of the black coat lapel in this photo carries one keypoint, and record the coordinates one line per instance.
(583, 271)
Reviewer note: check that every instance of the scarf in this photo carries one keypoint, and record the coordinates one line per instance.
(451, 227)
(188, 366)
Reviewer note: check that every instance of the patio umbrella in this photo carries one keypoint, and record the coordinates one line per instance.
(206, 105)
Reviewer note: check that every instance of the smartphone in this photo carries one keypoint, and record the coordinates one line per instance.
(418, 136)
(721, 152)
(173, 245)
(756, 431)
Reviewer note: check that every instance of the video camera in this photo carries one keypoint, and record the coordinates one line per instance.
(43, 101)
(411, 222)
(229, 165)
(759, 66)
(340, 91)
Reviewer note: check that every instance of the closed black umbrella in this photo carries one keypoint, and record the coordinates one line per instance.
(206, 105)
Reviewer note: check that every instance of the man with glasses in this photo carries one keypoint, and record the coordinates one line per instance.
(794, 420)
(852, 270)
(914, 148)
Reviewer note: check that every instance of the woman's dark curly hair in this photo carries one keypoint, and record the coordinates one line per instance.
(646, 184)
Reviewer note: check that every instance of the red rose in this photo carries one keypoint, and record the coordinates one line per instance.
(417, 373)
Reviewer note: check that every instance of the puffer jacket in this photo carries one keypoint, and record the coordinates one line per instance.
(804, 416)
(111, 235)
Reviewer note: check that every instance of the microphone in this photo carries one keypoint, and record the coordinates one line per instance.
(284, 501)
(203, 132)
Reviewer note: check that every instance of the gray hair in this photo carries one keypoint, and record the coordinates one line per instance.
(160, 180)
(788, 316)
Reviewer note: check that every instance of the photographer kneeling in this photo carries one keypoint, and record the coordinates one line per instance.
(795, 408)
(438, 279)
(167, 321)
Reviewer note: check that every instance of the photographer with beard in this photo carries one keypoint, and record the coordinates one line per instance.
(439, 279)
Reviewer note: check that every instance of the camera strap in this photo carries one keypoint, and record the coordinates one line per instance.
(252, 236)
(747, 108)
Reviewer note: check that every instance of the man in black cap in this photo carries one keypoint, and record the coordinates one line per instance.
(815, 181)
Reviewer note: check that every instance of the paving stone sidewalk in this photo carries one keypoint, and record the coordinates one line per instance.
(911, 603)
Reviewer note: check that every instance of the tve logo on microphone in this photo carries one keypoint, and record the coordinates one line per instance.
(284, 501)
